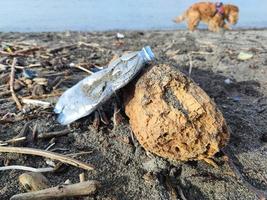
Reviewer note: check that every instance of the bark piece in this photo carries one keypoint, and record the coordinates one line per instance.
(173, 117)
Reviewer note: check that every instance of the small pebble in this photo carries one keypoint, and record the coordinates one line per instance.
(227, 81)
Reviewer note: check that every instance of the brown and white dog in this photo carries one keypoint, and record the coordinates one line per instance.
(213, 14)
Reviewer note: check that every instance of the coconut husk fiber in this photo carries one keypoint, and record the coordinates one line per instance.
(172, 117)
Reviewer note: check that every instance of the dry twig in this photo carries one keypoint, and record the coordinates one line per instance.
(20, 137)
(60, 48)
(16, 139)
(35, 102)
(23, 52)
(82, 177)
(81, 68)
(43, 96)
(25, 168)
(12, 75)
(60, 191)
(79, 153)
(51, 155)
(53, 134)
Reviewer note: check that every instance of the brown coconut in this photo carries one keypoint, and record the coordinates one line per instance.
(172, 117)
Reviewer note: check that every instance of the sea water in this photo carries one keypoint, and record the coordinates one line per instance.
(99, 15)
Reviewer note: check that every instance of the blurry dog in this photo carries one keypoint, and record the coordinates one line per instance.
(213, 14)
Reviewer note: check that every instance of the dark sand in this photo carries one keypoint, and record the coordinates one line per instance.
(124, 169)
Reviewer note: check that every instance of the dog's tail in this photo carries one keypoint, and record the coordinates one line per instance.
(180, 18)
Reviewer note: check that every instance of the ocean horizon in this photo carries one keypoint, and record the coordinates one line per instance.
(105, 15)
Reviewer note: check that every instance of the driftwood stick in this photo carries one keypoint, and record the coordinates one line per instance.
(42, 96)
(35, 102)
(29, 50)
(16, 139)
(81, 68)
(60, 48)
(79, 153)
(23, 52)
(82, 177)
(12, 75)
(60, 191)
(25, 168)
(53, 134)
(47, 154)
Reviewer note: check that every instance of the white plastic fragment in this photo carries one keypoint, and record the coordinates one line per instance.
(120, 36)
(244, 56)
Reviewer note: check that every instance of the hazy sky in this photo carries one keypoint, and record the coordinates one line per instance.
(89, 15)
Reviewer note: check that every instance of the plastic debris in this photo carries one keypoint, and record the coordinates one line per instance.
(120, 36)
(244, 56)
(30, 74)
(88, 94)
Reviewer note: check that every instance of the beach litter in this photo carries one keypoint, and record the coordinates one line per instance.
(88, 94)
(244, 56)
(120, 36)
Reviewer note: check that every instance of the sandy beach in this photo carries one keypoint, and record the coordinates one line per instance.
(124, 169)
